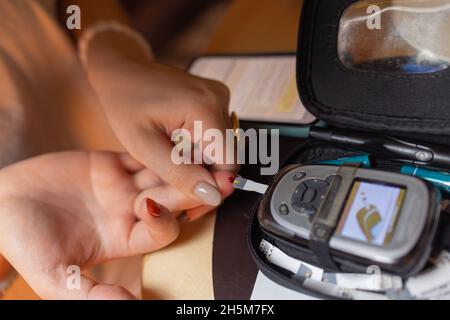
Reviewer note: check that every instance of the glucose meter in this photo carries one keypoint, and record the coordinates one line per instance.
(375, 217)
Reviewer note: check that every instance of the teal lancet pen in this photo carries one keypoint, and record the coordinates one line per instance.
(440, 179)
(363, 160)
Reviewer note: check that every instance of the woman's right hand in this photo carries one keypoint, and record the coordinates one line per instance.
(146, 102)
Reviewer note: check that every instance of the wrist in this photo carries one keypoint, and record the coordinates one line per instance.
(109, 47)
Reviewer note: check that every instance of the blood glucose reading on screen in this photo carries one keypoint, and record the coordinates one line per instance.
(371, 212)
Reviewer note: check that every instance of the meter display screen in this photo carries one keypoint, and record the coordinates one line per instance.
(371, 212)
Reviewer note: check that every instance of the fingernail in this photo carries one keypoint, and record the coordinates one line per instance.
(208, 194)
(153, 208)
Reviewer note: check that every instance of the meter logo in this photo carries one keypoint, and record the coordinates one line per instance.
(369, 218)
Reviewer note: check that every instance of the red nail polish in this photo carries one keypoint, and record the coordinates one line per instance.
(231, 179)
(153, 208)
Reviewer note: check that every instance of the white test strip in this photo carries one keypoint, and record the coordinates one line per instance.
(281, 259)
(371, 282)
(340, 292)
(350, 281)
(249, 185)
(434, 282)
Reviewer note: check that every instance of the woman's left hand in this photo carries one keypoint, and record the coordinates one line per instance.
(78, 209)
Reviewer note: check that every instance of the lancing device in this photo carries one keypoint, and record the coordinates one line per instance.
(363, 160)
(387, 147)
(438, 178)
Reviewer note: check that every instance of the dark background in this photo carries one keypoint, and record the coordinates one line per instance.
(178, 30)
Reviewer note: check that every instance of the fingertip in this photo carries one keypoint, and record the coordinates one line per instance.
(153, 208)
(162, 223)
(156, 227)
(225, 180)
(147, 208)
(109, 292)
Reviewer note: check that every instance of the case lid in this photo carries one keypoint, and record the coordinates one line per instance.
(360, 67)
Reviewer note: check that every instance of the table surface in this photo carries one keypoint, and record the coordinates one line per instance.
(184, 269)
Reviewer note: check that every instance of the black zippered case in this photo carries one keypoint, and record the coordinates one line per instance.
(406, 105)
(403, 105)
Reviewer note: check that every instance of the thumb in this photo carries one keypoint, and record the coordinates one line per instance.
(156, 226)
(92, 290)
(225, 182)
(101, 291)
(192, 179)
(68, 283)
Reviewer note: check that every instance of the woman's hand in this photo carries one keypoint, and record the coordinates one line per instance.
(146, 102)
(81, 208)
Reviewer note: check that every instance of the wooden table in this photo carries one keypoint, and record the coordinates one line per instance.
(184, 269)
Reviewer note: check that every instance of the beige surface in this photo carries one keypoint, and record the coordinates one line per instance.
(184, 269)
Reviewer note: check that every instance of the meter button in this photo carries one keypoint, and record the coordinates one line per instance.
(299, 191)
(309, 195)
(308, 209)
(303, 208)
(424, 155)
(317, 201)
(284, 210)
(299, 176)
(316, 184)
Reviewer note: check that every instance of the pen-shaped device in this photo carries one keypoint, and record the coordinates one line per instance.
(387, 147)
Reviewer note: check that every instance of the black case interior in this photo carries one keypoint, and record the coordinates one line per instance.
(402, 104)
(309, 152)
(413, 106)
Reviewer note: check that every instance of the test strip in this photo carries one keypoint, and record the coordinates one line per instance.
(281, 259)
(340, 292)
(249, 185)
(348, 281)
(371, 282)
(434, 283)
